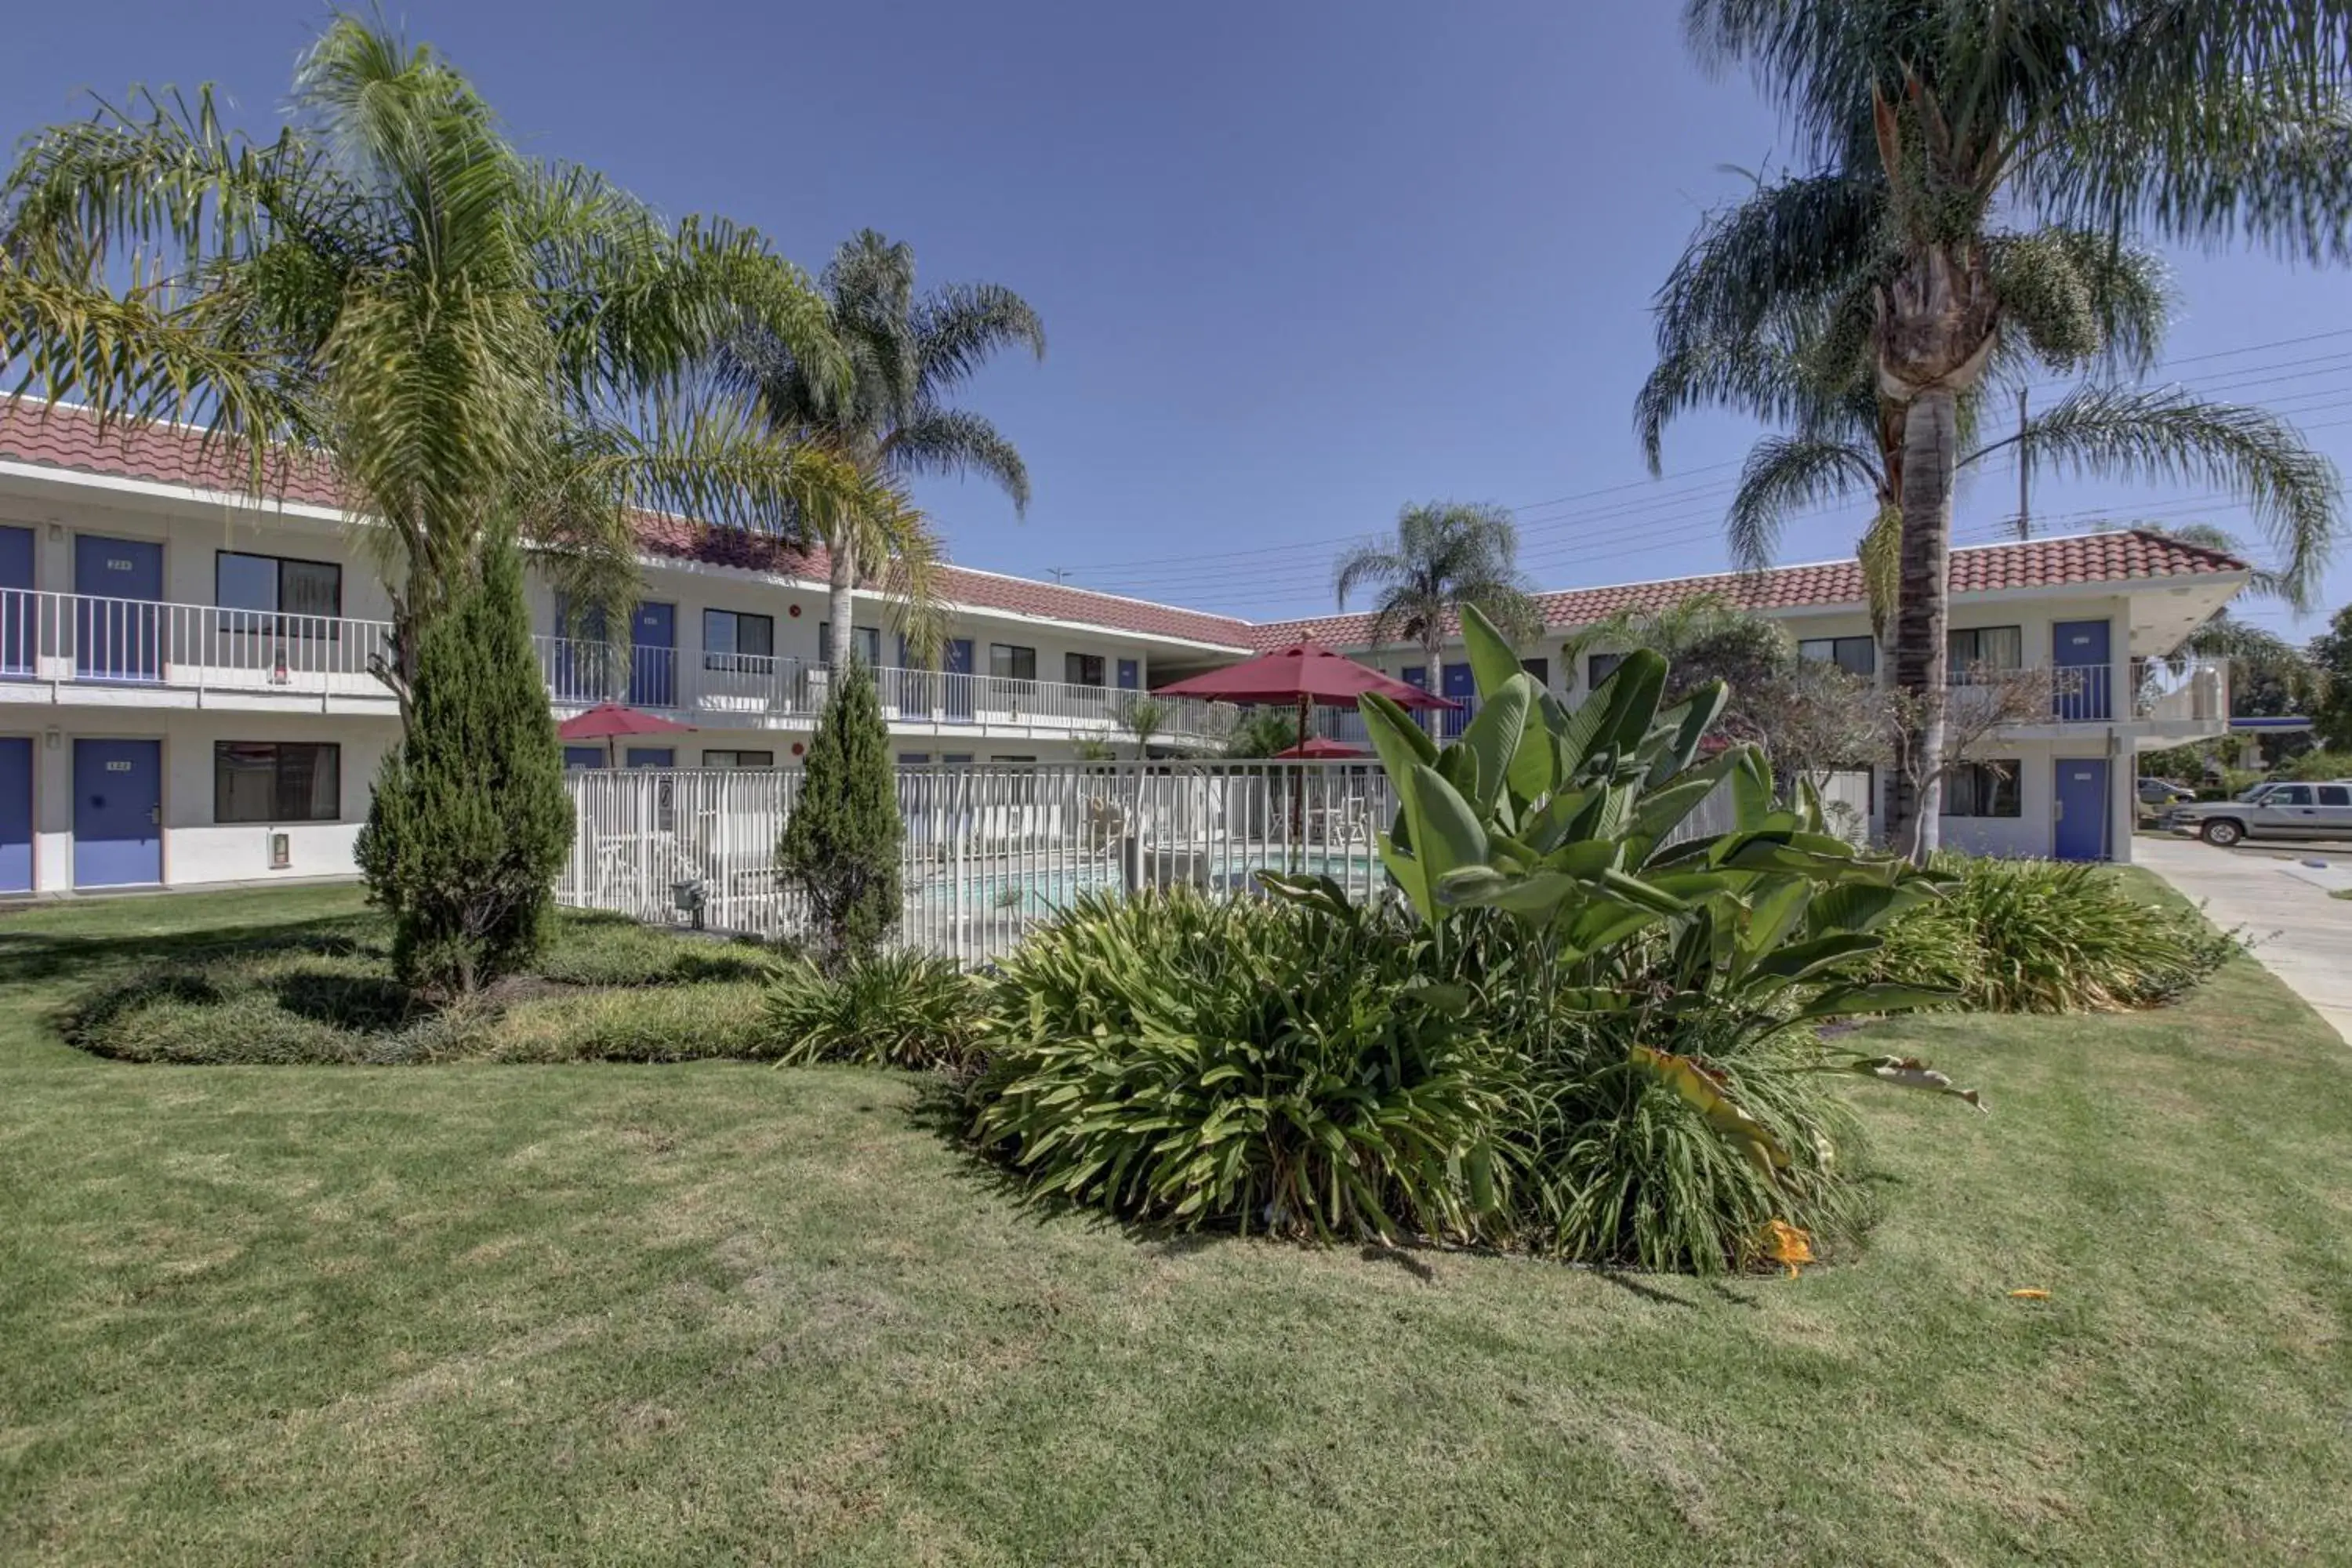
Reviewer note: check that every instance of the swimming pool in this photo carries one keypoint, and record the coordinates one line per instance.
(1050, 890)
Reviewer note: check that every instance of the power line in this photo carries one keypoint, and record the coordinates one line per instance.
(1675, 517)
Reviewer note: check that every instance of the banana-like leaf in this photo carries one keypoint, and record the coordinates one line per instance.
(1397, 741)
(1447, 836)
(1770, 916)
(1855, 906)
(1910, 1072)
(1315, 891)
(1683, 727)
(1458, 766)
(1616, 715)
(1640, 894)
(1702, 1091)
(1412, 876)
(1541, 895)
(1492, 737)
(1493, 660)
(1553, 823)
(1600, 923)
(1805, 959)
(1751, 785)
(1855, 1000)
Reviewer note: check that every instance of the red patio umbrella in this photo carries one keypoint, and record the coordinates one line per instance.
(1306, 675)
(1315, 749)
(608, 719)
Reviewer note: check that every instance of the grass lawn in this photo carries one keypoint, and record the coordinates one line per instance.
(715, 1312)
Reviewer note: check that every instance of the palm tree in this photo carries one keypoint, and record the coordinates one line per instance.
(1848, 439)
(1445, 555)
(890, 420)
(1933, 123)
(474, 340)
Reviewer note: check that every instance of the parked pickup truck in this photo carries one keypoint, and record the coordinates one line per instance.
(2320, 810)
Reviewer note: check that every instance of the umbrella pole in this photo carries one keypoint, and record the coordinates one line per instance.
(1298, 787)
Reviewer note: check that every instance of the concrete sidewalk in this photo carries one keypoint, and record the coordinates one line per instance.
(2301, 934)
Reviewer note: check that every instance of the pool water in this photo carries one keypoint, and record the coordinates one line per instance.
(1050, 893)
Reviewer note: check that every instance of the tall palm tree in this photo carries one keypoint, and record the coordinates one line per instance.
(474, 340)
(890, 420)
(1936, 123)
(1445, 555)
(1803, 365)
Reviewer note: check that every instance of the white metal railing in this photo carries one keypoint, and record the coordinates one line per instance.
(990, 852)
(2191, 690)
(2077, 694)
(759, 686)
(80, 638)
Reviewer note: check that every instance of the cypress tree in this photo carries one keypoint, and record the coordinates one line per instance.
(470, 822)
(840, 845)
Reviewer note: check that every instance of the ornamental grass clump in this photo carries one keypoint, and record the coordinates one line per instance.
(898, 1009)
(1279, 1067)
(2045, 936)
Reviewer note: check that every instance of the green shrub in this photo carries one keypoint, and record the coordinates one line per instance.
(469, 822)
(2320, 764)
(886, 1009)
(335, 1002)
(840, 845)
(1625, 1170)
(1265, 1067)
(2044, 936)
(652, 1023)
(586, 949)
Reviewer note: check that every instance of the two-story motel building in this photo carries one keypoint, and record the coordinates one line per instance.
(185, 695)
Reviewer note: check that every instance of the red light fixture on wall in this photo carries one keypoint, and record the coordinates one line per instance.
(793, 611)
(798, 748)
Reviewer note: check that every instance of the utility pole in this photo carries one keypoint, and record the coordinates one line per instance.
(1059, 573)
(2025, 474)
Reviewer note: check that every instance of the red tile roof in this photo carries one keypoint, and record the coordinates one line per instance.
(978, 590)
(66, 437)
(2126, 555)
(63, 437)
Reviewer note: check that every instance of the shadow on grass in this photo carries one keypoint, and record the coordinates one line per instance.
(367, 1004)
(29, 957)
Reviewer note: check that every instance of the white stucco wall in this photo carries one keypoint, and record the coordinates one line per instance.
(196, 850)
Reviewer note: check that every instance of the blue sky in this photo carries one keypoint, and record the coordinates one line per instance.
(1298, 263)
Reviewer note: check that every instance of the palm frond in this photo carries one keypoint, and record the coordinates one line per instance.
(1785, 474)
(1808, 244)
(2168, 436)
(956, 441)
(959, 327)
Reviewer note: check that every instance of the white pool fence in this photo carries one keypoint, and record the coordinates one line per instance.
(991, 852)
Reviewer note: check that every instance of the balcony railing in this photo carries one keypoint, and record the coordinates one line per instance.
(758, 686)
(80, 639)
(2185, 692)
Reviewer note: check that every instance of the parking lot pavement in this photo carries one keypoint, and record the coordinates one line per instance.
(2301, 934)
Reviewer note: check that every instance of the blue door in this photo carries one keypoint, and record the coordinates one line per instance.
(653, 656)
(653, 756)
(583, 756)
(1130, 674)
(1460, 683)
(15, 814)
(116, 625)
(16, 603)
(955, 696)
(2083, 676)
(2082, 809)
(118, 812)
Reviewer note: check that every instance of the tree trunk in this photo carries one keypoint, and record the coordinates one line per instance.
(844, 559)
(1931, 438)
